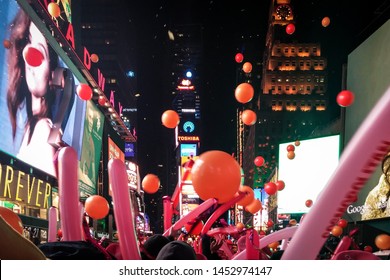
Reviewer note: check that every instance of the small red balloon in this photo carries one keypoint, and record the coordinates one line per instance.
(239, 57)
(345, 98)
(290, 148)
(309, 203)
(59, 233)
(270, 188)
(102, 101)
(325, 21)
(259, 161)
(270, 223)
(290, 29)
(342, 223)
(7, 43)
(368, 248)
(32, 56)
(94, 58)
(151, 183)
(280, 185)
(84, 91)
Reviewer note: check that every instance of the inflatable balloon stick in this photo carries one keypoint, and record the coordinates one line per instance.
(167, 206)
(52, 230)
(68, 193)
(252, 245)
(123, 210)
(354, 169)
(220, 210)
(206, 205)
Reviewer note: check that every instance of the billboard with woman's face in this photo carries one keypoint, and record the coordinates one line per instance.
(40, 109)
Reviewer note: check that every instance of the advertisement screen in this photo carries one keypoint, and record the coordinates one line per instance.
(41, 111)
(307, 173)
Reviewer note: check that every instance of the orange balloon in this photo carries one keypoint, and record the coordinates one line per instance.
(297, 143)
(94, 58)
(247, 67)
(216, 174)
(54, 9)
(7, 43)
(337, 231)
(12, 219)
(254, 207)
(244, 93)
(248, 117)
(240, 226)
(325, 21)
(150, 183)
(96, 207)
(170, 119)
(382, 241)
(309, 203)
(248, 198)
(291, 155)
(274, 245)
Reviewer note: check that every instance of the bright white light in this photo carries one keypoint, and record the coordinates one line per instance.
(307, 174)
(189, 74)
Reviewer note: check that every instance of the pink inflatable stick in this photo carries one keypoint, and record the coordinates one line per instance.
(68, 192)
(191, 215)
(123, 212)
(52, 231)
(167, 206)
(358, 161)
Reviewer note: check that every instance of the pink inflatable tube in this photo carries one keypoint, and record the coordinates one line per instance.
(122, 210)
(167, 206)
(191, 215)
(221, 209)
(358, 161)
(68, 192)
(52, 230)
(283, 234)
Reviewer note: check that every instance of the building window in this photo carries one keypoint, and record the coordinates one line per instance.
(300, 50)
(273, 80)
(292, 50)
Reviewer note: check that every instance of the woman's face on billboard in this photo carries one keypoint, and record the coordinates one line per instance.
(37, 77)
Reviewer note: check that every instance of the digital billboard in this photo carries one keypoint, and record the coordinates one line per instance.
(307, 173)
(41, 111)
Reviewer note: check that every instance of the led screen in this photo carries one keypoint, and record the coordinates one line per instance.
(307, 173)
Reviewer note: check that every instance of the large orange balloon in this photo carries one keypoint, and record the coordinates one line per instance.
(254, 207)
(248, 117)
(150, 183)
(382, 241)
(12, 219)
(247, 67)
(244, 93)
(170, 119)
(216, 174)
(248, 198)
(96, 207)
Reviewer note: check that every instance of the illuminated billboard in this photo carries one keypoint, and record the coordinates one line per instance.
(307, 173)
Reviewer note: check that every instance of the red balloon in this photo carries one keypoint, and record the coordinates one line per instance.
(259, 161)
(94, 58)
(270, 223)
(239, 57)
(150, 183)
(102, 101)
(240, 226)
(7, 43)
(33, 56)
(309, 203)
(270, 188)
(59, 233)
(290, 29)
(368, 248)
(216, 174)
(342, 223)
(325, 21)
(244, 93)
(170, 119)
(248, 117)
(280, 185)
(290, 148)
(345, 98)
(96, 207)
(247, 67)
(84, 91)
